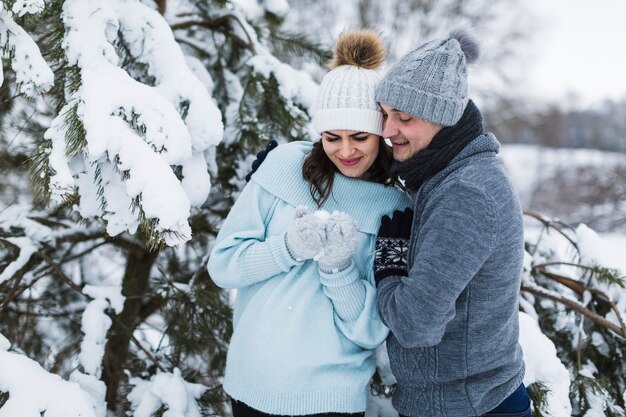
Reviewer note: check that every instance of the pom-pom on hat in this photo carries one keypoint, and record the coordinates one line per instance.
(430, 82)
(345, 99)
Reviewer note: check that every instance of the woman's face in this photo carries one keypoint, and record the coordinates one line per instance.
(352, 152)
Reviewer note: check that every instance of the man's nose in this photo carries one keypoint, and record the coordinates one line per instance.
(389, 129)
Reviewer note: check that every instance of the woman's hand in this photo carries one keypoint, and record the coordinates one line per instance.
(342, 240)
(306, 235)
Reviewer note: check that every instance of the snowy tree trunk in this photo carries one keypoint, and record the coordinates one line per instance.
(134, 288)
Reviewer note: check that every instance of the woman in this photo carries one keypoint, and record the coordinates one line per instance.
(299, 245)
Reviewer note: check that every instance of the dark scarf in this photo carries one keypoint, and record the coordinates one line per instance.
(442, 149)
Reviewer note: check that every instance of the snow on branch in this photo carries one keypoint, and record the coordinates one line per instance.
(570, 260)
(165, 389)
(139, 127)
(34, 392)
(22, 7)
(296, 87)
(95, 324)
(32, 73)
(27, 249)
(543, 366)
(151, 42)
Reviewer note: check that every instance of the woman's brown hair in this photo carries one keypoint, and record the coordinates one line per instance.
(319, 171)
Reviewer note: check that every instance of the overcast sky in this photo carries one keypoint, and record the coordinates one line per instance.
(581, 49)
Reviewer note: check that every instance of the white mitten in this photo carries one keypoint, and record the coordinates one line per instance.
(342, 240)
(306, 234)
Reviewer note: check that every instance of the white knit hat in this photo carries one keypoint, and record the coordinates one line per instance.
(345, 99)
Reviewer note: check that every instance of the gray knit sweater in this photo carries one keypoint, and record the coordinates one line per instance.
(453, 346)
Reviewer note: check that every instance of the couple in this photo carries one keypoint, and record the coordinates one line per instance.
(322, 281)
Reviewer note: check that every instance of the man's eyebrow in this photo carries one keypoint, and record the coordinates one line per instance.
(392, 110)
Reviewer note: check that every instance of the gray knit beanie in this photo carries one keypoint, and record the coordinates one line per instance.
(430, 82)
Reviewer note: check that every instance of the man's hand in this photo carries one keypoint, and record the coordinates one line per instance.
(260, 157)
(392, 245)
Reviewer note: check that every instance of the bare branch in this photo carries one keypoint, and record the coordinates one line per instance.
(575, 305)
(550, 224)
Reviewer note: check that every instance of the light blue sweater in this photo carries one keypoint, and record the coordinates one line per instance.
(303, 339)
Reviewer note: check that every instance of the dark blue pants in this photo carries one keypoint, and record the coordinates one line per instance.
(242, 410)
(515, 405)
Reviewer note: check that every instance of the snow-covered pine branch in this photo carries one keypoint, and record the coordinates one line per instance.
(581, 307)
(140, 129)
(32, 73)
(167, 390)
(33, 390)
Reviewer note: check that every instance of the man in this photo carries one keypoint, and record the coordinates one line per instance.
(452, 307)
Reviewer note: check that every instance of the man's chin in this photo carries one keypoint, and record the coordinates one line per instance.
(400, 156)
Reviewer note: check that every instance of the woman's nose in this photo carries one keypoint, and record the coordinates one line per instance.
(346, 149)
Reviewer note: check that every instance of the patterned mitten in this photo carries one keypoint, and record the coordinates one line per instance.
(342, 240)
(260, 157)
(392, 245)
(305, 235)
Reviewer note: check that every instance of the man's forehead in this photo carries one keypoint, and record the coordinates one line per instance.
(388, 108)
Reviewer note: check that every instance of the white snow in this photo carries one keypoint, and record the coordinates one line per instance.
(4, 343)
(139, 129)
(32, 390)
(32, 73)
(22, 7)
(94, 324)
(294, 85)
(277, 7)
(169, 389)
(27, 248)
(61, 181)
(542, 365)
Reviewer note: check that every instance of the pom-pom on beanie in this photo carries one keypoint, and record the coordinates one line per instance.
(345, 99)
(430, 82)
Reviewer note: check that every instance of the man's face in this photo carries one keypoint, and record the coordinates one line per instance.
(407, 133)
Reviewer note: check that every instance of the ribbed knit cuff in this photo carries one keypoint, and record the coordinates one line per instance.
(266, 259)
(333, 269)
(341, 278)
(280, 252)
(346, 292)
(291, 254)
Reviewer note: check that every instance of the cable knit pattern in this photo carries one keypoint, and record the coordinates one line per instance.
(303, 339)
